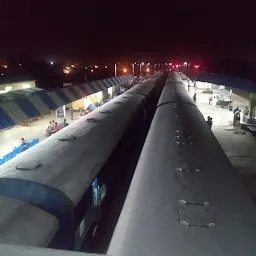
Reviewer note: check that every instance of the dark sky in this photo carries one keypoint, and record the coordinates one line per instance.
(111, 29)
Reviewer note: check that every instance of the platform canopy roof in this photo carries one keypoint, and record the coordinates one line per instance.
(17, 107)
(219, 79)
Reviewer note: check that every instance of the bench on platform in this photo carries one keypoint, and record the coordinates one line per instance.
(252, 129)
(249, 127)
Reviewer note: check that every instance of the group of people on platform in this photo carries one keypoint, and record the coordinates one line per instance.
(54, 127)
(237, 117)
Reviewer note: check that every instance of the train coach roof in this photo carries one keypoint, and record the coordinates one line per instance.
(11, 250)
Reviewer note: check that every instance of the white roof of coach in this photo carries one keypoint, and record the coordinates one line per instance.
(25, 224)
(10, 250)
(71, 165)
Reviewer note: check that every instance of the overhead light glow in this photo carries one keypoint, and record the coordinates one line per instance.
(125, 70)
(67, 70)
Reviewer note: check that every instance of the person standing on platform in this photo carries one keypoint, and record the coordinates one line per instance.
(210, 99)
(65, 123)
(236, 115)
(56, 127)
(214, 102)
(194, 98)
(209, 121)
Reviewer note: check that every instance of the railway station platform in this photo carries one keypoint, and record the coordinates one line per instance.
(238, 145)
(11, 138)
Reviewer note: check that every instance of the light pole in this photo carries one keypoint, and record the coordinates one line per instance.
(142, 64)
(133, 68)
(116, 68)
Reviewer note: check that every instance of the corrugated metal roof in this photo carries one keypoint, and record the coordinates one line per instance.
(79, 91)
(5, 120)
(28, 108)
(15, 113)
(56, 99)
(69, 94)
(219, 79)
(20, 106)
(39, 104)
(47, 100)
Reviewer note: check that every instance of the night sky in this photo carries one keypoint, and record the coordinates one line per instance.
(90, 30)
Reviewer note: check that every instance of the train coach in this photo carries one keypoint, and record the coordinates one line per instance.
(185, 197)
(60, 176)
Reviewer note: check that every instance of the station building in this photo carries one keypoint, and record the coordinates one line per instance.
(15, 86)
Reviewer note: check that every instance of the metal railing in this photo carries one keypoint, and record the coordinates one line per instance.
(18, 150)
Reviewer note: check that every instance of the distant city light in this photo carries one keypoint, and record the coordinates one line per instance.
(5, 66)
(147, 69)
(125, 70)
(72, 66)
(2, 74)
(92, 70)
(196, 66)
(142, 63)
(148, 63)
(67, 70)
(51, 62)
(106, 66)
(85, 67)
(19, 64)
(96, 66)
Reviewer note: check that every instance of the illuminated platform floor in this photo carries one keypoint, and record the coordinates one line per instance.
(11, 138)
(239, 146)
